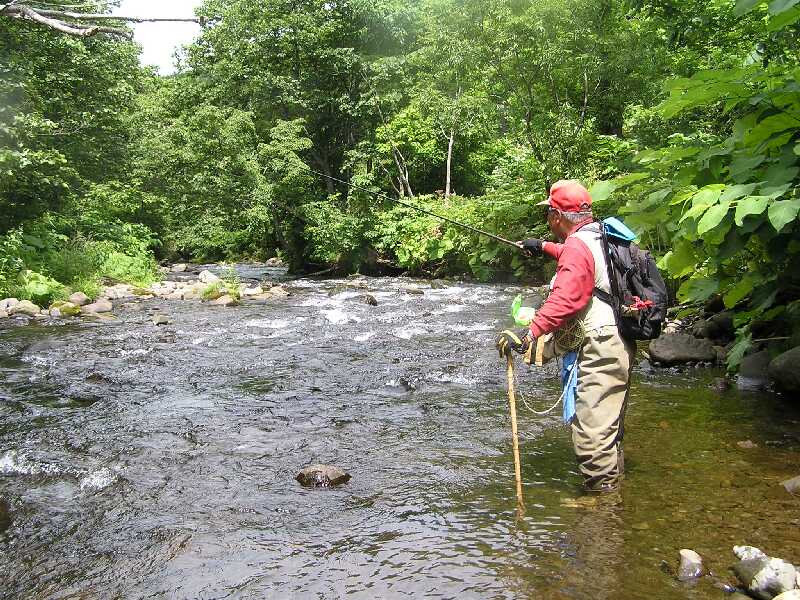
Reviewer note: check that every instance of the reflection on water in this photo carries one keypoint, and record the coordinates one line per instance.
(142, 461)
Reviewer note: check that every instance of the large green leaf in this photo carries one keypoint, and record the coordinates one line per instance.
(776, 7)
(733, 192)
(745, 6)
(712, 217)
(738, 292)
(779, 174)
(784, 19)
(698, 289)
(743, 165)
(770, 126)
(783, 212)
(752, 205)
(680, 261)
(602, 190)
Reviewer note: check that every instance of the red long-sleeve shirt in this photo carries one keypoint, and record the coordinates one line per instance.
(572, 288)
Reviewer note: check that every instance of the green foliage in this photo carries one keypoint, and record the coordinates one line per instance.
(727, 204)
(39, 289)
(231, 282)
(213, 291)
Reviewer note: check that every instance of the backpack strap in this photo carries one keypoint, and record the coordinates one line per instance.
(613, 299)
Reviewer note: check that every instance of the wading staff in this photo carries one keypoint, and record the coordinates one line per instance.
(512, 404)
(422, 210)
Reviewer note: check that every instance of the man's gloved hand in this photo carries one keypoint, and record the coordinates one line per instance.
(531, 246)
(508, 341)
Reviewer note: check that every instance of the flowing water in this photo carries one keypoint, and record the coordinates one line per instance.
(158, 462)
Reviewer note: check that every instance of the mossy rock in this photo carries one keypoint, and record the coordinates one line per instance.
(67, 309)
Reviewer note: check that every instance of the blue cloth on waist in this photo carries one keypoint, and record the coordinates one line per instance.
(569, 381)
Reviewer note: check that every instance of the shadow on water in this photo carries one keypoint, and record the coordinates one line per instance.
(143, 461)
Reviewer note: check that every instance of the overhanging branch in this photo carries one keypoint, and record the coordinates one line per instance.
(78, 24)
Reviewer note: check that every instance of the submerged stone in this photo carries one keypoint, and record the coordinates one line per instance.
(322, 476)
(792, 485)
(159, 319)
(691, 565)
(370, 299)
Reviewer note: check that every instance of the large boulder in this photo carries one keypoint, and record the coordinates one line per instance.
(678, 348)
(101, 306)
(274, 262)
(24, 307)
(784, 370)
(179, 268)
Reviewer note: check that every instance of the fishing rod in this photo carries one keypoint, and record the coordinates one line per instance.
(422, 210)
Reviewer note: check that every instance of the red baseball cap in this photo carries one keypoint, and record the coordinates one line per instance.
(568, 195)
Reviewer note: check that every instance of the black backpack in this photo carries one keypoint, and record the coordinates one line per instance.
(638, 292)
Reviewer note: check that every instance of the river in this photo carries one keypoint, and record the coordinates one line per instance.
(139, 461)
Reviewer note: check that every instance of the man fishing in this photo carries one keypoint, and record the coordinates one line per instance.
(604, 358)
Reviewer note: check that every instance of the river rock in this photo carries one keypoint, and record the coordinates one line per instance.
(79, 299)
(784, 370)
(253, 291)
(3, 314)
(207, 276)
(718, 328)
(792, 485)
(178, 268)
(118, 291)
(766, 577)
(677, 348)
(414, 291)
(438, 284)
(159, 319)
(753, 371)
(24, 307)
(140, 291)
(278, 292)
(176, 295)
(225, 300)
(370, 299)
(790, 595)
(7, 303)
(322, 476)
(274, 262)
(691, 565)
(100, 306)
(5, 515)
(65, 309)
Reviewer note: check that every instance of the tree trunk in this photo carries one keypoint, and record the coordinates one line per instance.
(449, 162)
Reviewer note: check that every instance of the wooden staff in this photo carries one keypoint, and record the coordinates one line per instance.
(512, 403)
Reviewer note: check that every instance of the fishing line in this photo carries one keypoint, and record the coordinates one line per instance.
(422, 210)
